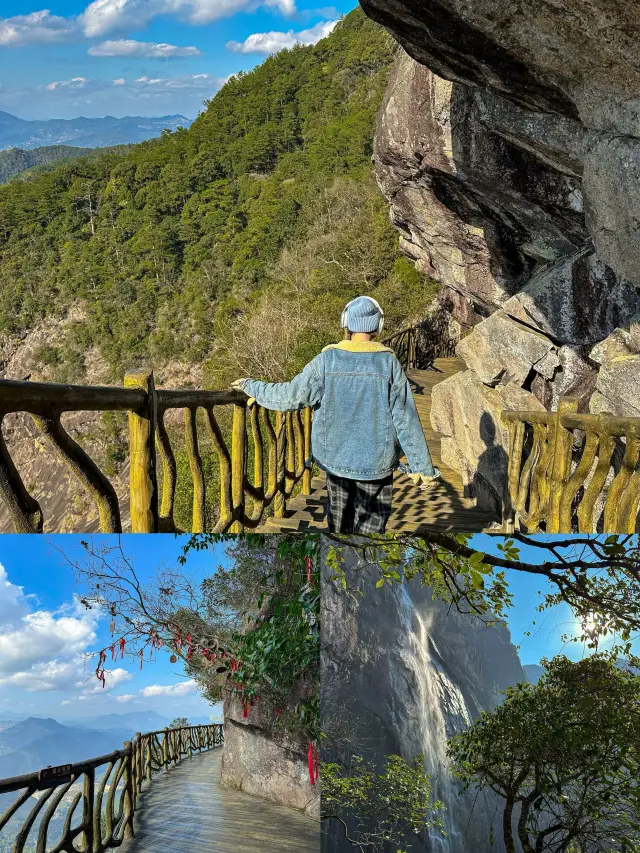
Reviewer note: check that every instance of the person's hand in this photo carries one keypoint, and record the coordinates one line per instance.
(423, 482)
(238, 385)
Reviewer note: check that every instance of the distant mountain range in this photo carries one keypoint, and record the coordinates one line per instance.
(29, 744)
(83, 132)
(35, 743)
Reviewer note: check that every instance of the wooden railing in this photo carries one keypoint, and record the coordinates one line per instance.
(279, 447)
(418, 346)
(96, 800)
(572, 472)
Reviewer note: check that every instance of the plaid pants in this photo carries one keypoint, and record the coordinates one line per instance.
(358, 506)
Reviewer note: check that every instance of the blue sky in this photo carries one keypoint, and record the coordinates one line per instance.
(546, 630)
(45, 636)
(66, 58)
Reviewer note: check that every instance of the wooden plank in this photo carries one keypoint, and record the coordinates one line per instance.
(186, 810)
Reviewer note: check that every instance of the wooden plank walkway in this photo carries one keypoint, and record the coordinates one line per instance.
(445, 508)
(186, 810)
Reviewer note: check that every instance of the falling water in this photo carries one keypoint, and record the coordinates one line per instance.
(441, 712)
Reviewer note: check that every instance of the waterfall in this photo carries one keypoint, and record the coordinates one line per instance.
(442, 712)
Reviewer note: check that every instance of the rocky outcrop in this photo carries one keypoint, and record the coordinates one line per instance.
(401, 673)
(259, 761)
(508, 147)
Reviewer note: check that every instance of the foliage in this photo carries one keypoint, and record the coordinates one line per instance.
(375, 807)
(275, 591)
(179, 723)
(250, 629)
(268, 199)
(564, 756)
(14, 161)
(597, 576)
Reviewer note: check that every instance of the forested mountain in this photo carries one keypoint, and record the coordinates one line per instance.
(83, 132)
(15, 161)
(36, 743)
(245, 233)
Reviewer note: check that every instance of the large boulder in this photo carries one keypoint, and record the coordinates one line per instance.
(579, 300)
(618, 385)
(501, 350)
(476, 440)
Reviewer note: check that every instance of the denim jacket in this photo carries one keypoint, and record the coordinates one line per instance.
(364, 411)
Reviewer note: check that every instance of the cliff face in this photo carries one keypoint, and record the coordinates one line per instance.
(508, 147)
(255, 761)
(400, 674)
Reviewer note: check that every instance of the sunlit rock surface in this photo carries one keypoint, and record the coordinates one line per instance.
(508, 147)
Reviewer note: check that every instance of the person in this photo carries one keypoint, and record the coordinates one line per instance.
(365, 417)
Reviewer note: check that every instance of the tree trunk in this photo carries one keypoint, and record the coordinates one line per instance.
(507, 833)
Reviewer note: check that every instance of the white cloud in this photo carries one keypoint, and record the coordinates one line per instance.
(272, 42)
(120, 82)
(36, 28)
(182, 689)
(29, 638)
(148, 50)
(126, 697)
(106, 16)
(60, 674)
(74, 83)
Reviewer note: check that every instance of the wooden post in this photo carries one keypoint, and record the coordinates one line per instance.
(139, 762)
(199, 518)
(279, 497)
(165, 749)
(306, 477)
(148, 752)
(88, 794)
(128, 808)
(143, 484)
(561, 464)
(238, 466)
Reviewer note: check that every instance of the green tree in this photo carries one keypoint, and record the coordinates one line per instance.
(564, 757)
(377, 807)
(179, 723)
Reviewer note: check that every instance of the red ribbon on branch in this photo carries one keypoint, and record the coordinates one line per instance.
(309, 567)
(312, 755)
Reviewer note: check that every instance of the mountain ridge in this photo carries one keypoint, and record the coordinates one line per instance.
(82, 131)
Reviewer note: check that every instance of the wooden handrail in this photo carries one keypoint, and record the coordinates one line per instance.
(572, 472)
(279, 446)
(108, 804)
(417, 346)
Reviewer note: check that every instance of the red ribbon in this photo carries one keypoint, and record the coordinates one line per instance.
(312, 776)
(308, 562)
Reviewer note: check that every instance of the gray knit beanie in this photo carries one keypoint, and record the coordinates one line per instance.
(362, 315)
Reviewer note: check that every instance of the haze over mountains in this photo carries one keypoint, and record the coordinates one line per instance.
(84, 132)
(31, 743)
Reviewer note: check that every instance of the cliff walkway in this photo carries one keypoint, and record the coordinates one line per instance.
(443, 508)
(245, 468)
(162, 791)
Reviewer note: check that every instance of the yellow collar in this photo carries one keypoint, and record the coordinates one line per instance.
(359, 346)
